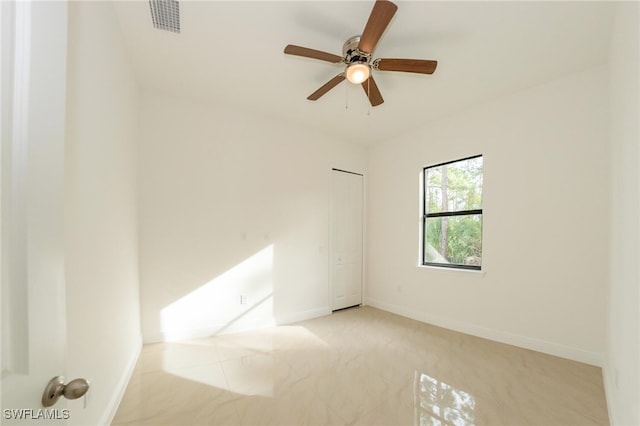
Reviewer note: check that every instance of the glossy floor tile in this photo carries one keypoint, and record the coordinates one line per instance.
(359, 366)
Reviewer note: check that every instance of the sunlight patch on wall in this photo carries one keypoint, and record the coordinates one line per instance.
(216, 307)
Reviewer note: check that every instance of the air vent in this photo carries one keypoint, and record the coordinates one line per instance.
(165, 15)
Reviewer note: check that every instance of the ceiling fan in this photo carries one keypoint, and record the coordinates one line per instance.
(357, 53)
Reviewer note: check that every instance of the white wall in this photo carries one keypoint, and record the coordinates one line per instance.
(545, 201)
(102, 296)
(622, 370)
(232, 204)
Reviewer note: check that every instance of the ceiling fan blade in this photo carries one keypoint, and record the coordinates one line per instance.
(326, 87)
(373, 93)
(380, 17)
(421, 66)
(311, 53)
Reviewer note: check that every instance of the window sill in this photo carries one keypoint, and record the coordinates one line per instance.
(481, 272)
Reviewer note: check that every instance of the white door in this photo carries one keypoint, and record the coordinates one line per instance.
(34, 40)
(346, 239)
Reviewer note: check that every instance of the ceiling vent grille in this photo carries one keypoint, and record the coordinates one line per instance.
(165, 15)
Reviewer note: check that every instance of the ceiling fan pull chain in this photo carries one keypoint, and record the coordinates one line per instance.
(346, 96)
(369, 96)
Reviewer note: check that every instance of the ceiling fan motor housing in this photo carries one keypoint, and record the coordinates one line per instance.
(352, 54)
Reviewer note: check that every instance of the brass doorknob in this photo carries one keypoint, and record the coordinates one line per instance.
(56, 388)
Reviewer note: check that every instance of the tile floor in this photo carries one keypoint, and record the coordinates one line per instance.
(359, 366)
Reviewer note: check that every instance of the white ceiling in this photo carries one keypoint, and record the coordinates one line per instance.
(231, 53)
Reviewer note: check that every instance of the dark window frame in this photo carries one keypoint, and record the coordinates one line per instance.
(426, 216)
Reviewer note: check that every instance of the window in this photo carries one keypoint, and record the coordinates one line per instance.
(452, 214)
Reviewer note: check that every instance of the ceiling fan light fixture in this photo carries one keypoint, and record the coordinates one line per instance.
(358, 72)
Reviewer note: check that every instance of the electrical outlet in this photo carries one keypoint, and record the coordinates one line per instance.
(243, 299)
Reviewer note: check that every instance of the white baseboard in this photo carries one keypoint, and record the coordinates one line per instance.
(112, 407)
(562, 351)
(302, 316)
(216, 329)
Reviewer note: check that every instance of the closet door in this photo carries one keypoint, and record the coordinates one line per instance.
(346, 239)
